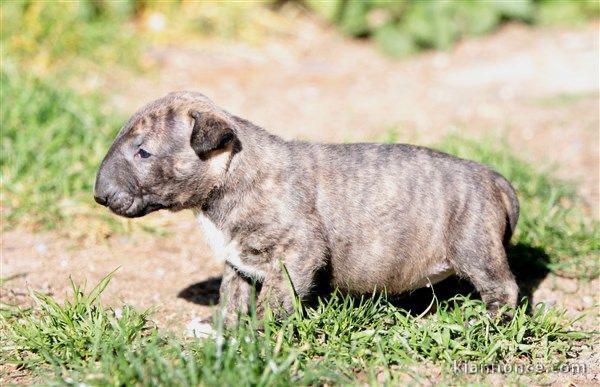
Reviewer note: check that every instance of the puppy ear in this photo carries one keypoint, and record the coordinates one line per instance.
(210, 133)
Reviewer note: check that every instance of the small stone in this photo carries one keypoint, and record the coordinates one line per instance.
(198, 328)
(569, 286)
(588, 301)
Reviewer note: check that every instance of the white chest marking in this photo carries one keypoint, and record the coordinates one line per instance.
(225, 249)
(214, 237)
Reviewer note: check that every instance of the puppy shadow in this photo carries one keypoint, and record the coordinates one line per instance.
(205, 292)
(529, 265)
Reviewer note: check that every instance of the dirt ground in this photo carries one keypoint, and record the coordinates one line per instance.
(537, 88)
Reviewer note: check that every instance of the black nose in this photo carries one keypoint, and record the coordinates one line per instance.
(101, 200)
(103, 187)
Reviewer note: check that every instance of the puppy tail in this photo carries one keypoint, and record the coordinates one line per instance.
(511, 204)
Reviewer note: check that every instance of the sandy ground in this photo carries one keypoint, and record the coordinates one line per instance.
(537, 88)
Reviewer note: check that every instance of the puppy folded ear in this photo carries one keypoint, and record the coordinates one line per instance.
(210, 133)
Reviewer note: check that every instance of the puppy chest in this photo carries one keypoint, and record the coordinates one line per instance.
(227, 250)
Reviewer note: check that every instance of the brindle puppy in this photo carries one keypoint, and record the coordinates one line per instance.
(375, 216)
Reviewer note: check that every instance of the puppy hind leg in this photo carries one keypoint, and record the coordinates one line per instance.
(489, 272)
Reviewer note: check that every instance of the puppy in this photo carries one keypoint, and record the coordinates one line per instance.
(371, 216)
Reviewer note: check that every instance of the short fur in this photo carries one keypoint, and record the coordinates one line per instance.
(374, 216)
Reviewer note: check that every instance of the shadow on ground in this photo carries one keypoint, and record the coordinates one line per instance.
(202, 293)
(528, 263)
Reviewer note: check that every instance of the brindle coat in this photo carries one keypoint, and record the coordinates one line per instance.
(372, 216)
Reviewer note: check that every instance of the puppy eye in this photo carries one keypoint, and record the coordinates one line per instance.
(144, 154)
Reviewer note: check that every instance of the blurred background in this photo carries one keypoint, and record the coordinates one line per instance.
(511, 83)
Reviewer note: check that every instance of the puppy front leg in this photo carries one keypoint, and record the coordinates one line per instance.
(282, 284)
(234, 295)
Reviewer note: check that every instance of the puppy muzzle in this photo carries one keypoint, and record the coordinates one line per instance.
(130, 206)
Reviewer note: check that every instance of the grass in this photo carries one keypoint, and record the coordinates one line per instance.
(73, 38)
(54, 136)
(563, 99)
(340, 339)
(79, 39)
(404, 27)
(53, 139)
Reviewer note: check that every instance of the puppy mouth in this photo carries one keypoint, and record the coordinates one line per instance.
(133, 206)
(141, 211)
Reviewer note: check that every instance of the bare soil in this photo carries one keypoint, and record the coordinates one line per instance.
(537, 88)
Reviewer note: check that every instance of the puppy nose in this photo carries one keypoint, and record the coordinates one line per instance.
(102, 200)
(101, 194)
(102, 188)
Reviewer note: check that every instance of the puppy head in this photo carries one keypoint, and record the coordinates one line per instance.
(170, 155)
